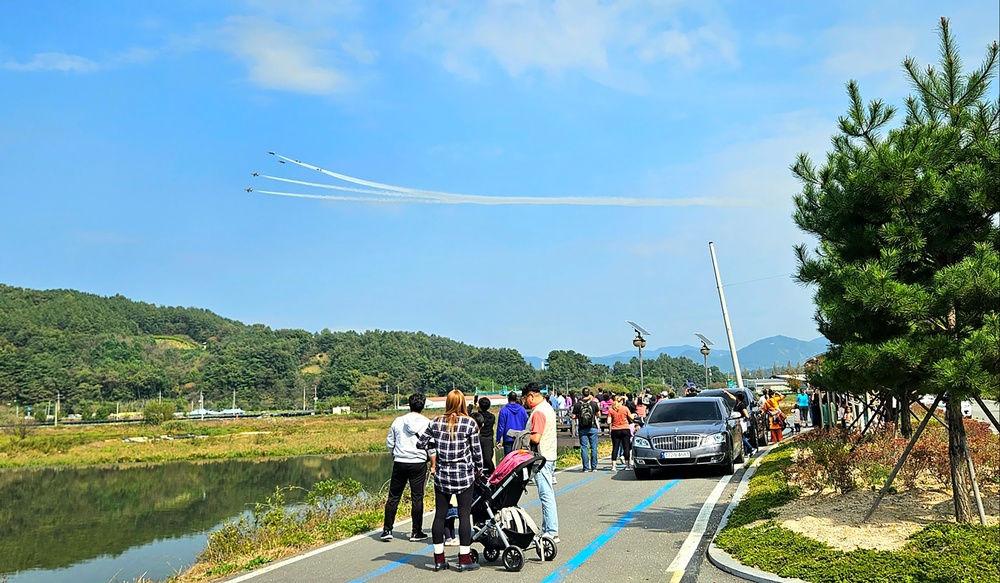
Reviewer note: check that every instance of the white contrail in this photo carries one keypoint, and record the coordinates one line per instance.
(335, 187)
(431, 196)
(351, 198)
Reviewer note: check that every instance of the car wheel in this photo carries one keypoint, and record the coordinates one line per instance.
(642, 473)
(728, 467)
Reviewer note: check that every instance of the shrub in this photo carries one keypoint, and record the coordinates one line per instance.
(158, 412)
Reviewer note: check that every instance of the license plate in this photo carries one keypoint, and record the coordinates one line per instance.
(676, 454)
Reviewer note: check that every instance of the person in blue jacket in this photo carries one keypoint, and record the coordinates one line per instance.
(512, 416)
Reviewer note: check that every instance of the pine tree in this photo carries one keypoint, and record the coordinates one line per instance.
(906, 271)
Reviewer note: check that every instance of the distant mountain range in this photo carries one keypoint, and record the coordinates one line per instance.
(764, 353)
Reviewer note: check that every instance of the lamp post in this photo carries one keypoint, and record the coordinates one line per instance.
(640, 343)
(705, 350)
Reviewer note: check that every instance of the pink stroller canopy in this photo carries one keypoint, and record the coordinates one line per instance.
(509, 463)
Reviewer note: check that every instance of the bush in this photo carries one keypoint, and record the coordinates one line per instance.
(158, 412)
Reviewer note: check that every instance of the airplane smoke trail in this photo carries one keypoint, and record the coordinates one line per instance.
(386, 192)
(335, 187)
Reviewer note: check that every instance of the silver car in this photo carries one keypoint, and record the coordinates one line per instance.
(687, 432)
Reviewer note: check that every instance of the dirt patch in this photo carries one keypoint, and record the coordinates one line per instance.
(835, 519)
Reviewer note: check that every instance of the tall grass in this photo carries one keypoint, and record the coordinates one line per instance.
(193, 440)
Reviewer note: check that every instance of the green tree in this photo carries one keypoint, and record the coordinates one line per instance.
(158, 412)
(369, 393)
(906, 272)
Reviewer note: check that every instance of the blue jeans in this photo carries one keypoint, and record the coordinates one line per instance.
(588, 448)
(508, 446)
(547, 496)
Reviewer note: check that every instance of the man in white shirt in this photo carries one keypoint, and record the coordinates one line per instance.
(409, 464)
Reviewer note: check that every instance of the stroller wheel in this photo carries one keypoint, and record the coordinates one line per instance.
(474, 555)
(491, 554)
(513, 559)
(546, 548)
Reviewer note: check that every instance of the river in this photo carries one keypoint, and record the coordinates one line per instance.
(111, 524)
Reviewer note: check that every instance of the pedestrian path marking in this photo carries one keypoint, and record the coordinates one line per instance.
(430, 548)
(680, 562)
(579, 558)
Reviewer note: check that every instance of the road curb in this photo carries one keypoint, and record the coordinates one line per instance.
(724, 560)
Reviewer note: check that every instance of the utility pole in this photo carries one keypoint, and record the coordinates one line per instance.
(234, 398)
(58, 396)
(201, 403)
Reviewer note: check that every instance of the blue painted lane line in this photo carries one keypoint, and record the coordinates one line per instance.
(607, 535)
(430, 548)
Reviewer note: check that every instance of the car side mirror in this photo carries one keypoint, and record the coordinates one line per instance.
(639, 422)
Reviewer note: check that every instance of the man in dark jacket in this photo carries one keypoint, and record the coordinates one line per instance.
(512, 416)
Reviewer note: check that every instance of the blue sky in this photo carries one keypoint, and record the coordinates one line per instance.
(130, 131)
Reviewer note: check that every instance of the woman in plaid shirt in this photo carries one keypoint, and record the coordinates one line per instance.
(456, 456)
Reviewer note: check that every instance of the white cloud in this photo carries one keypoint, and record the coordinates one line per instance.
(857, 51)
(283, 58)
(54, 62)
(605, 41)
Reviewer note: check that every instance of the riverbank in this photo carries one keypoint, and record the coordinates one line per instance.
(186, 440)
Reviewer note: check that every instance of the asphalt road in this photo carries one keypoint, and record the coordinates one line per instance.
(613, 528)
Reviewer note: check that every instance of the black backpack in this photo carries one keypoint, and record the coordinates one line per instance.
(586, 415)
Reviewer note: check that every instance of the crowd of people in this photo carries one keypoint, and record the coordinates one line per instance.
(459, 446)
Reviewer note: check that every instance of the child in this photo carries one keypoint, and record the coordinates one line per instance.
(450, 536)
(796, 420)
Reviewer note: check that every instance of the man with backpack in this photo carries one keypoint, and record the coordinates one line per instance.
(585, 412)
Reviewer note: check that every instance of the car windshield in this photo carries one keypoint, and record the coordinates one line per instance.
(682, 410)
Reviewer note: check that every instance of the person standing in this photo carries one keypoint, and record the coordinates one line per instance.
(487, 421)
(455, 463)
(585, 414)
(542, 424)
(409, 465)
(774, 415)
(512, 416)
(619, 418)
(815, 409)
(802, 402)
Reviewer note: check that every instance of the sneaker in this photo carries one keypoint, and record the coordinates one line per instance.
(555, 539)
(418, 536)
(452, 542)
(628, 468)
(386, 534)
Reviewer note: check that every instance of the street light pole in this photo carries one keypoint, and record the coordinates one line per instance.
(705, 350)
(640, 342)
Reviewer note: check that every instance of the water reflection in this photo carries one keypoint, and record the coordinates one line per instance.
(55, 518)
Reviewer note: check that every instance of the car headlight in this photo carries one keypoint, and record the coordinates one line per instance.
(641, 442)
(715, 438)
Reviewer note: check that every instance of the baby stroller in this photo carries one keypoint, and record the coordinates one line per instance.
(504, 529)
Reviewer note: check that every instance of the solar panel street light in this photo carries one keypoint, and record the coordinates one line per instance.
(640, 343)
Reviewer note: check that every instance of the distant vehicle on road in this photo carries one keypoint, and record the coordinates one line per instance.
(200, 412)
(687, 432)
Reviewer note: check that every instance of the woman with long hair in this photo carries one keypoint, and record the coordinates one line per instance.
(455, 464)
(620, 418)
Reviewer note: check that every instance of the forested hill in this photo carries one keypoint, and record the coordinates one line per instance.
(93, 351)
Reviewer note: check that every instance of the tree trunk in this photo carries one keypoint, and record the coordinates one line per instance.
(905, 424)
(957, 446)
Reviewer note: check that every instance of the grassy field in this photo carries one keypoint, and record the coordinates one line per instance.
(194, 440)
